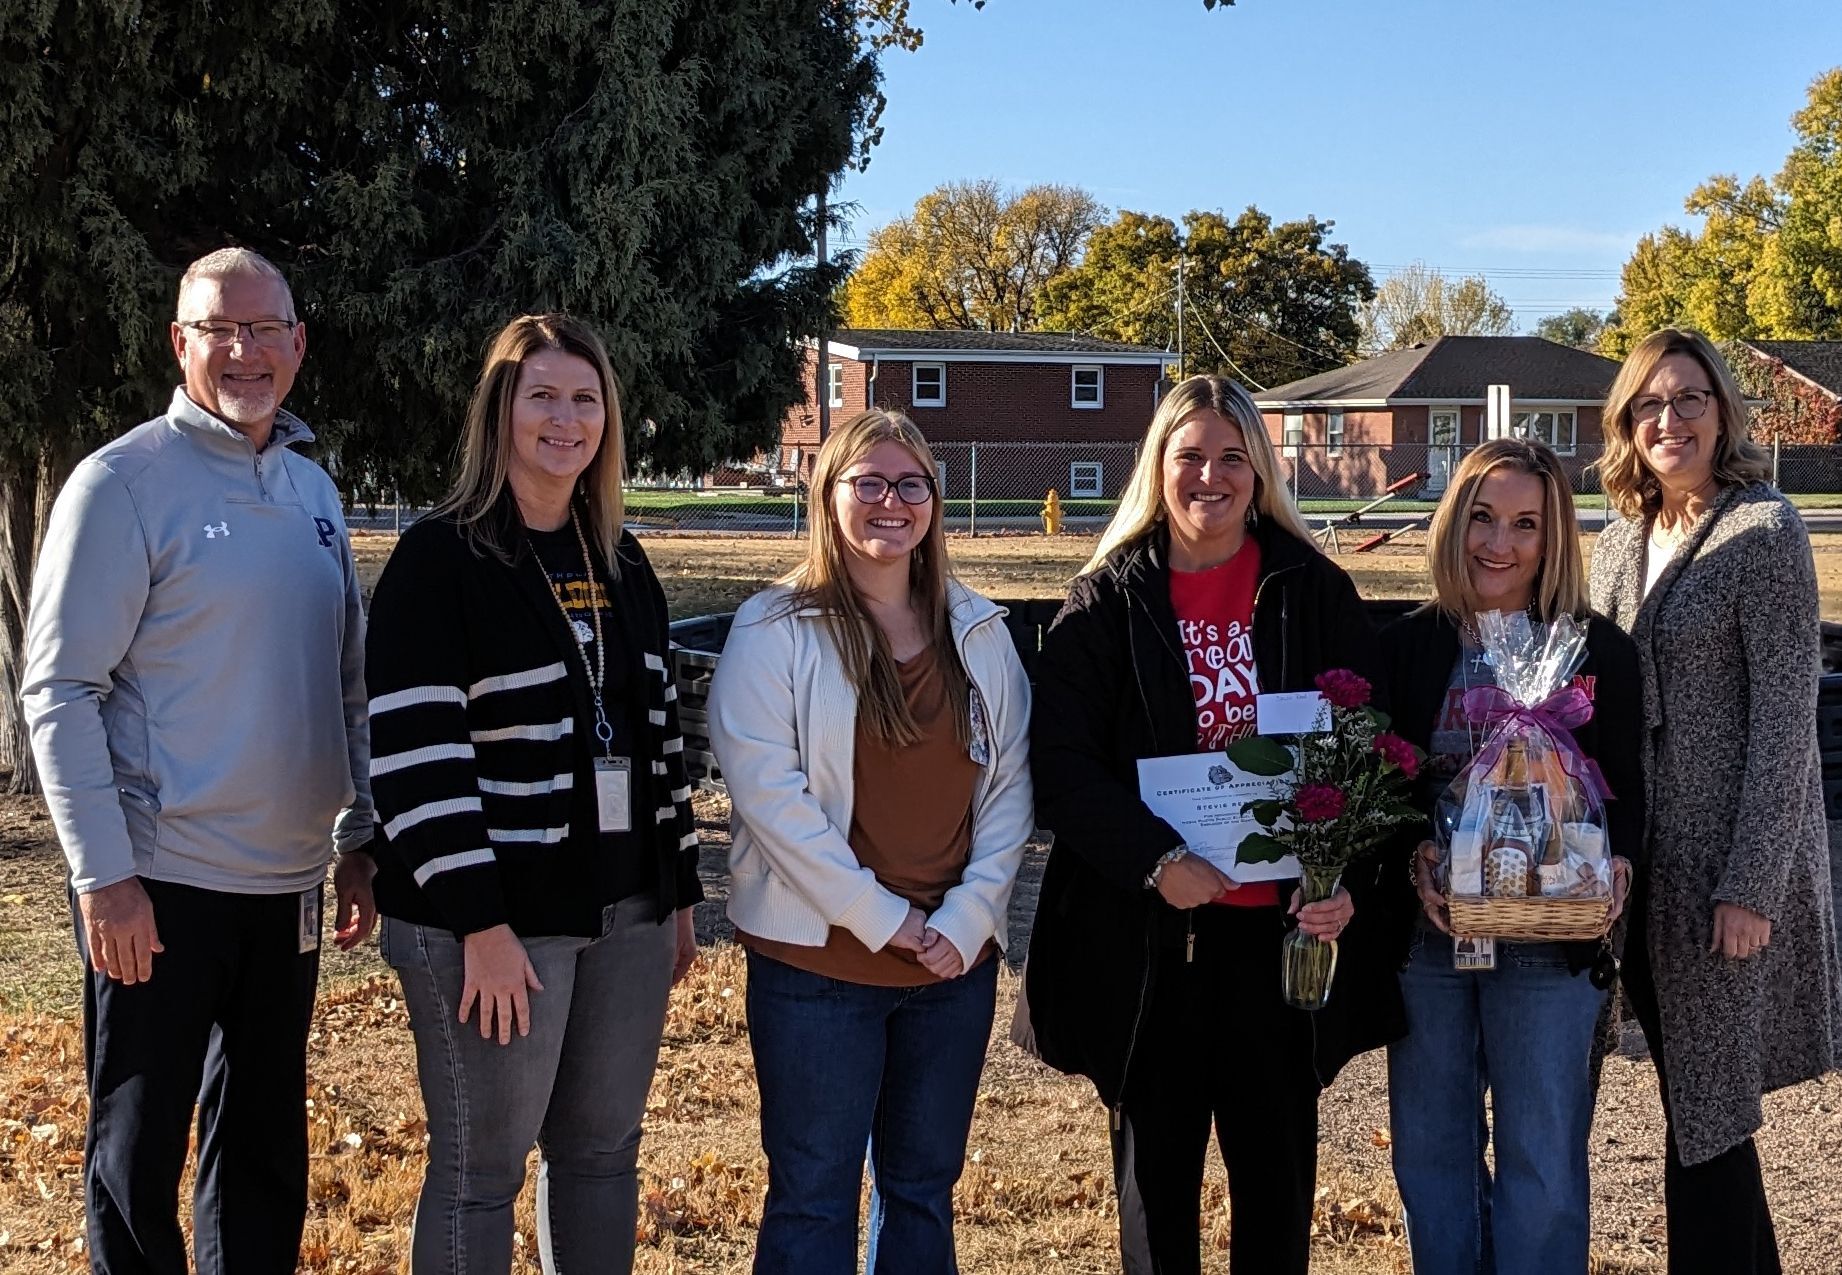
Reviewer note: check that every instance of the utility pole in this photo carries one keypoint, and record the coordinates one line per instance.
(822, 374)
(1179, 310)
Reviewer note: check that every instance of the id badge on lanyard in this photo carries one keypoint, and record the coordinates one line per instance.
(614, 793)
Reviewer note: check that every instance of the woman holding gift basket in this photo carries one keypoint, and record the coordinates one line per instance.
(1732, 965)
(1516, 1018)
(1150, 972)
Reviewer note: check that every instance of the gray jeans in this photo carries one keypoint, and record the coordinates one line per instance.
(576, 1087)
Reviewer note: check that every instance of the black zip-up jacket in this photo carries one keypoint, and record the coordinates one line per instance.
(1112, 687)
(1419, 651)
(481, 732)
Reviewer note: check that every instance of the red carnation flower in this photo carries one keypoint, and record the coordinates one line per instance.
(1344, 688)
(1320, 803)
(1398, 753)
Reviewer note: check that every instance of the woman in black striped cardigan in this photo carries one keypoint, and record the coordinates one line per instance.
(539, 862)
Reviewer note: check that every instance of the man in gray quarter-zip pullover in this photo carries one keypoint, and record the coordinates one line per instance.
(194, 682)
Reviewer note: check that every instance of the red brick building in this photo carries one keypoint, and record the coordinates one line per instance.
(1357, 429)
(1046, 409)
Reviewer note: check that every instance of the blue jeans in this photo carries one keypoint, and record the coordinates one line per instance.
(842, 1065)
(1525, 1032)
(576, 1087)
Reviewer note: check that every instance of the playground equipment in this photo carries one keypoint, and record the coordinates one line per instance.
(1327, 534)
(1052, 514)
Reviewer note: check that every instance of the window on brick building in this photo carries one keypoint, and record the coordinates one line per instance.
(1084, 477)
(834, 384)
(1333, 434)
(1088, 388)
(1556, 429)
(930, 387)
(1294, 433)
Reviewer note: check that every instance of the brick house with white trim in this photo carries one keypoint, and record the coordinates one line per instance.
(1356, 429)
(1076, 400)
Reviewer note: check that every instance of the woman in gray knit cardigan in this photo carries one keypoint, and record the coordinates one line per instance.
(1731, 964)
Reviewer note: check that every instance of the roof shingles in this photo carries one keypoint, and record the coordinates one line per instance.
(1460, 368)
(1819, 362)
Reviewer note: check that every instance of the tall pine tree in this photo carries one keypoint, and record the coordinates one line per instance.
(421, 173)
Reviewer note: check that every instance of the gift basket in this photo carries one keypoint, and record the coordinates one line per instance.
(1521, 829)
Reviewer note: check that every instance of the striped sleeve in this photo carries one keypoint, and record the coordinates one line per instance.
(673, 780)
(424, 778)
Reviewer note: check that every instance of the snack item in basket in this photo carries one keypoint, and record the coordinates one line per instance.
(1506, 873)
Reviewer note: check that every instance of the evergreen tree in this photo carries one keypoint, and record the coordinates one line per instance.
(421, 173)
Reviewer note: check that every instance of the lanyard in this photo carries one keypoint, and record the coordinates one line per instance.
(597, 671)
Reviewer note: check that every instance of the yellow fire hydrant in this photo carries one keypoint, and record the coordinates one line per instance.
(1052, 514)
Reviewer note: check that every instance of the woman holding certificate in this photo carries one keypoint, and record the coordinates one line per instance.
(1151, 971)
(1516, 1019)
(872, 720)
(1732, 963)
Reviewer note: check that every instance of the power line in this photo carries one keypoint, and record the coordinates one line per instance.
(1206, 331)
(1500, 272)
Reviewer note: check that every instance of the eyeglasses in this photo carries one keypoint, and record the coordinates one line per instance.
(871, 489)
(1688, 406)
(272, 333)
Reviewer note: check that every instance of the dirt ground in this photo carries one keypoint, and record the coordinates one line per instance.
(1036, 1195)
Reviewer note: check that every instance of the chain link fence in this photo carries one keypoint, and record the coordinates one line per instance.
(988, 488)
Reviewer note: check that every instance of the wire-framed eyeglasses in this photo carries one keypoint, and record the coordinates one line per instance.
(269, 332)
(872, 489)
(1687, 406)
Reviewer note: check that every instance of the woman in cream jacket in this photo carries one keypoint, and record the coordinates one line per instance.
(871, 718)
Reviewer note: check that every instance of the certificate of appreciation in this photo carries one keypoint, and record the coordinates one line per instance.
(1201, 796)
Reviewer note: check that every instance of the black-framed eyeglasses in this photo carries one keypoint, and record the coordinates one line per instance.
(1688, 406)
(269, 332)
(911, 489)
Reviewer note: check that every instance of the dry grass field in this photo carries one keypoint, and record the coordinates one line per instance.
(1036, 1196)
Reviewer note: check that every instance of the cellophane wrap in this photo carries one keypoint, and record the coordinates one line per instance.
(1548, 839)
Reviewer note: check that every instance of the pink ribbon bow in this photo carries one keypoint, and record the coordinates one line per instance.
(1555, 717)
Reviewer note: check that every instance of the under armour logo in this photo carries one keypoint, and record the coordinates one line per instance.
(213, 532)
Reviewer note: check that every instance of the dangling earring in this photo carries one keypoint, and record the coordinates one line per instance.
(1253, 515)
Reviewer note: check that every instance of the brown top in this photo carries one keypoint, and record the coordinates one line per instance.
(911, 824)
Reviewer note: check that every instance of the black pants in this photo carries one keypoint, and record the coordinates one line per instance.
(1719, 1222)
(222, 1025)
(1218, 1047)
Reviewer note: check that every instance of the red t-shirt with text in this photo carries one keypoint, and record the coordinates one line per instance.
(1215, 621)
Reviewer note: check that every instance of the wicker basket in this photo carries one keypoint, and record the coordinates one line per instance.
(1531, 919)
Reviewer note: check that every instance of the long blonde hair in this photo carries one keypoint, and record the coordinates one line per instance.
(1141, 504)
(481, 480)
(823, 581)
(1560, 580)
(1629, 484)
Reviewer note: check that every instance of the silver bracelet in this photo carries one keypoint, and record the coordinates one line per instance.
(1165, 860)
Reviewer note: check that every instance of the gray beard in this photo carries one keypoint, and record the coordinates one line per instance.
(246, 407)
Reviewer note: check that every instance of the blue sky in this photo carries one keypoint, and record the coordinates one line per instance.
(1532, 140)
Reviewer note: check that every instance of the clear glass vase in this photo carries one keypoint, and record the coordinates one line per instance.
(1308, 965)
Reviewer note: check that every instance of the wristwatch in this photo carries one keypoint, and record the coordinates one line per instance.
(1164, 860)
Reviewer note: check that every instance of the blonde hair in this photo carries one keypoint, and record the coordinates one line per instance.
(1141, 504)
(1560, 579)
(228, 263)
(1629, 484)
(481, 482)
(823, 581)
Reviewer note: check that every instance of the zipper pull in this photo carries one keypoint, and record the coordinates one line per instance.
(1117, 1121)
(1189, 943)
